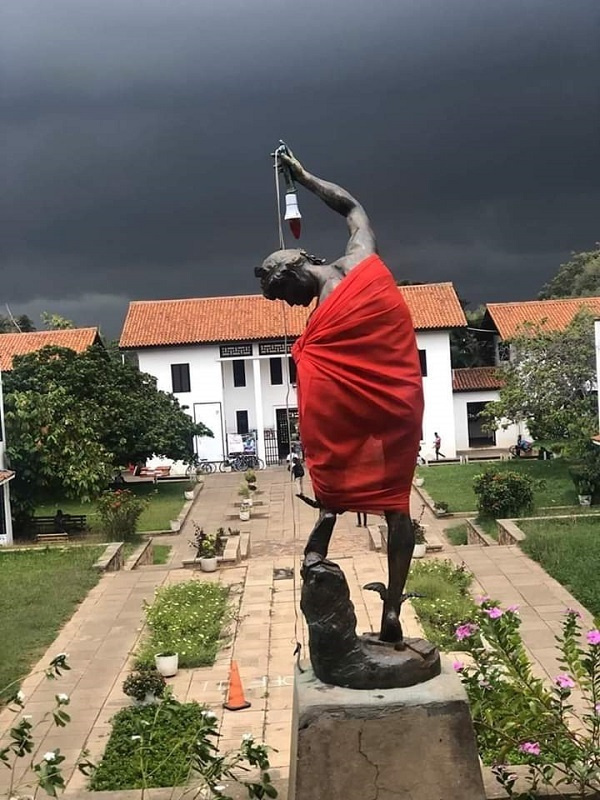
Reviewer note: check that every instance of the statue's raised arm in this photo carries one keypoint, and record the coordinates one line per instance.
(362, 239)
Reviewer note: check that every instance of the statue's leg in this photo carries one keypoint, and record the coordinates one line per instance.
(400, 546)
(317, 546)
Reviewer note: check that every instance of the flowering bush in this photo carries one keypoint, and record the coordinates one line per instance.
(144, 682)
(503, 494)
(119, 512)
(21, 742)
(185, 618)
(520, 720)
(175, 743)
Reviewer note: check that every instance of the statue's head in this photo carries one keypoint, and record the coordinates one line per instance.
(287, 275)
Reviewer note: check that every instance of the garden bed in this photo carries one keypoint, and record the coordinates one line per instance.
(569, 551)
(186, 618)
(453, 483)
(41, 589)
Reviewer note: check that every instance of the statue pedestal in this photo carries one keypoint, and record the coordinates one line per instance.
(391, 744)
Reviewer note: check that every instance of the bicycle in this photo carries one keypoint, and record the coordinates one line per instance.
(242, 462)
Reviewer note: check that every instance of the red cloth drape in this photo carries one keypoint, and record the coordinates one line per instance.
(360, 396)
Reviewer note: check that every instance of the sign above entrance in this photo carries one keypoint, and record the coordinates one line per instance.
(274, 348)
(235, 350)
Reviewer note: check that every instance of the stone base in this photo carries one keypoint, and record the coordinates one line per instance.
(415, 743)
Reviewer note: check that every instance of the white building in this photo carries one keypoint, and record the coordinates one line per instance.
(226, 360)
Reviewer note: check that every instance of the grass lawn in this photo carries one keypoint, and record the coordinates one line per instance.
(457, 534)
(453, 483)
(166, 500)
(41, 589)
(569, 550)
(161, 553)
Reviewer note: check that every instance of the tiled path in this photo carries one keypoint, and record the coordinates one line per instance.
(103, 632)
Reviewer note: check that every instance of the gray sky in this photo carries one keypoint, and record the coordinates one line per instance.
(135, 141)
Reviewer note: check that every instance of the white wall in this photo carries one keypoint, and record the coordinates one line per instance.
(504, 438)
(238, 398)
(274, 397)
(437, 389)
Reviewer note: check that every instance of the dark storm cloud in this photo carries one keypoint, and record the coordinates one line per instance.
(136, 140)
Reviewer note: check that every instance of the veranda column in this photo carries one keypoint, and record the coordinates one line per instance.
(258, 411)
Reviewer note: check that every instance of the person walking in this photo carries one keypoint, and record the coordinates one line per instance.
(298, 474)
(361, 519)
(437, 444)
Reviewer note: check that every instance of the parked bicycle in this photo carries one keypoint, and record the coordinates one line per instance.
(242, 462)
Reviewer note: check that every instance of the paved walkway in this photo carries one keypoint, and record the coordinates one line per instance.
(105, 629)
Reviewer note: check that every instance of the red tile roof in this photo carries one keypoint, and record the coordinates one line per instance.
(155, 323)
(476, 379)
(19, 344)
(554, 315)
(5, 475)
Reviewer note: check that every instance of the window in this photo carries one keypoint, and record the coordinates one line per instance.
(292, 367)
(276, 371)
(423, 360)
(239, 373)
(180, 378)
(503, 351)
(242, 421)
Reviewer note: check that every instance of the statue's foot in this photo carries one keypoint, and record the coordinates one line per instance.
(391, 630)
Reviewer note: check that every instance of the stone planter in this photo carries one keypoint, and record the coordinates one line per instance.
(585, 499)
(419, 551)
(189, 495)
(167, 665)
(175, 525)
(419, 481)
(208, 564)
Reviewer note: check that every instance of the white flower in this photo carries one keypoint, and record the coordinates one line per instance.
(49, 756)
(62, 699)
(209, 714)
(20, 697)
(219, 788)
(247, 737)
(135, 738)
(61, 657)
(27, 716)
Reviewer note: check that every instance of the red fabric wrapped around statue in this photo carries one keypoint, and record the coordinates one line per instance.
(360, 395)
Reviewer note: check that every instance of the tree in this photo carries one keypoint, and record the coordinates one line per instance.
(72, 417)
(549, 385)
(20, 324)
(470, 347)
(54, 322)
(579, 277)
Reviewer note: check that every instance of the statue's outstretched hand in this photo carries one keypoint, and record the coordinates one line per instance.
(286, 158)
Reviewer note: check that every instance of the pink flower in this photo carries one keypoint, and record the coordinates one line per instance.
(564, 681)
(494, 612)
(464, 631)
(531, 748)
(572, 611)
(483, 598)
(597, 709)
(513, 609)
(458, 666)
(593, 637)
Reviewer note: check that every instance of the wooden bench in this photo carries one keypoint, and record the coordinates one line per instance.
(45, 527)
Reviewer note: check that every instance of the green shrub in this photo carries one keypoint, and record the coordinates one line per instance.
(119, 513)
(185, 618)
(503, 494)
(457, 534)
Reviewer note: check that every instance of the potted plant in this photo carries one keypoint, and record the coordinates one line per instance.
(245, 510)
(419, 481)
(167, 663)
(188, 493)
(144, 686)
(585, 490)
(208, 554)
(420, 541)
(250, 477)
(175, 525)
(244, 493)
(440, 508)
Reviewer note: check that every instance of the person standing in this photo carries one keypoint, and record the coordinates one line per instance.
(361, 519)
(437, 444)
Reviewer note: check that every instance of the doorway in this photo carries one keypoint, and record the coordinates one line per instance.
(477, 436)
(283, 440)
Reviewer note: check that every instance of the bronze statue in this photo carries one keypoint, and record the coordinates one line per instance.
(360, 401)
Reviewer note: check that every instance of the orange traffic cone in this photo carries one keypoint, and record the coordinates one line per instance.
(235, 695)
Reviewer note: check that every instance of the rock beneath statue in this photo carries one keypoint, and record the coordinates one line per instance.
(339, 656)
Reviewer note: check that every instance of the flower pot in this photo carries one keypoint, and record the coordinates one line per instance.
(208, 564)
(440, 512)
(189, 495)
(585, 499)
(167, 665)
(244, 514)
(175, 525)
(419, 551)
(419, 481)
